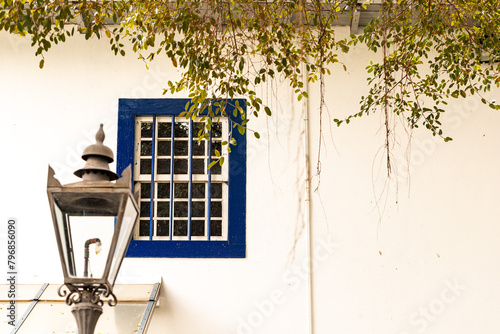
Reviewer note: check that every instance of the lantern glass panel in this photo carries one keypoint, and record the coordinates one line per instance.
(65, 237)
(127, 225)
(83, 229)
(84, 217)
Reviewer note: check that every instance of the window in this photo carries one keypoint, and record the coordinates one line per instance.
(186, 209)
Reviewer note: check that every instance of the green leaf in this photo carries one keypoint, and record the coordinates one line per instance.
(241, 129)
(42, 62)
(257, 135)
(212, 164)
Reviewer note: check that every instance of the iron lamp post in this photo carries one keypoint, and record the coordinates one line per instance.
(99, 214)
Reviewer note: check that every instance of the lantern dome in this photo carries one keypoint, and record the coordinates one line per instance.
(98, 157)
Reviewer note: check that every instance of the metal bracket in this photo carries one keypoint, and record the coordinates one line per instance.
(30, 308)
(148, 314)
(356, 14)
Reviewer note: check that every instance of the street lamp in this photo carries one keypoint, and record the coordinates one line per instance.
(93, 214)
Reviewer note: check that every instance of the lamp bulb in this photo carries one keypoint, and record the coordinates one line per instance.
(98, 247)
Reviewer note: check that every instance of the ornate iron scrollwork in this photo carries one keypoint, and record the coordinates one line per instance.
(74, 295)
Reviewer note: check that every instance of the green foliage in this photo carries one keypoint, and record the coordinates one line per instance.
(431, 49)
(224, 49)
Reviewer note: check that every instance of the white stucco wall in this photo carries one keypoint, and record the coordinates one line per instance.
(424, 260)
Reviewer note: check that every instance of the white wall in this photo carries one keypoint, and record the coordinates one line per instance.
(427, 263)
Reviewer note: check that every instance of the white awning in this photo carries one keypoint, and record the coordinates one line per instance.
(39, 309)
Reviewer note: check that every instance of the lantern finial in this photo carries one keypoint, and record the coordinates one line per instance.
(99, 136)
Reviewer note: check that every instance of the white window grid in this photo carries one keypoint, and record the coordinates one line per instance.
(161, 177)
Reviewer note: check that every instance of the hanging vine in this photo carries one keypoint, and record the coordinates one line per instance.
(227, 49)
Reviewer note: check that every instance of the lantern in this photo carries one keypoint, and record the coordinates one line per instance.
(93, 221)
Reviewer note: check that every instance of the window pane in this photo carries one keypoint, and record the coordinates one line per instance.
(215, 228)
(199, 147)
(197, 127)
(181, 129)
(144, 228)
(163, 209)
(216, 145)
(198, 190)
(216, 130)
(146, 130)
(164, 147)
(181, 209)
(145, 167)
(197, 228)
(164, 130)
(198, 166)
(163, 166)
(216, 169)
(180, 228)
(216, 209)
(145, 208)
(216, 190)
(198, 209)
(162, 228)
(163, 190)
(145, 190)
(180, 166)
(180, 190)
(146, 147)
(181, 147)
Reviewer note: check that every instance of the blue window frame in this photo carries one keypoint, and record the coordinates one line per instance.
(171, 166)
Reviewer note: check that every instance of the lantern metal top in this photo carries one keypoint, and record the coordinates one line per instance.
(69, 195)
(98, 157)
